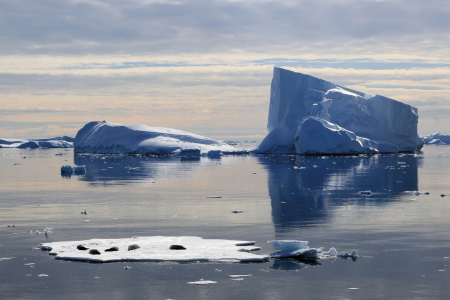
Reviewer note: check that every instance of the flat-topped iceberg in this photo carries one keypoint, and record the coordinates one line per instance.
(107, 137)
(156, 248)
(437, 139)
(309, 115)
(56, 142)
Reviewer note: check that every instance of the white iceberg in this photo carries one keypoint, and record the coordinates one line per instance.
(56, 142)
(157, 248)
(294, 249)
(308, 115)
(289, 245)
(107, 137)
(437, 139)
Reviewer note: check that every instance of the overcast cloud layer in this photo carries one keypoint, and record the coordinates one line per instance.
(206, 66)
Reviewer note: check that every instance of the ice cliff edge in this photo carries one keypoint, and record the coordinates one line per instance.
(309, 115)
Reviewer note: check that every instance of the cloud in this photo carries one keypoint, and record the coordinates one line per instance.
(58, 27)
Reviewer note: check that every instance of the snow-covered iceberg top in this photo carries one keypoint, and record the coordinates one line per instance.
(437, 139)
(309, 115)
(56, 142)
(157, 248)
(107, 137)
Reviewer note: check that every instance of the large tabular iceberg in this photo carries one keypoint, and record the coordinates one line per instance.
(107, 137)
(56, 142)
(308, 115)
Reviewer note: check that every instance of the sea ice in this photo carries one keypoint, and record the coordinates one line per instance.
(107, 137)
(157, 248)
(202, 282)
(308, 115)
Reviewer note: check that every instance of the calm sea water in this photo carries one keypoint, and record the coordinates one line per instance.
(403, 239)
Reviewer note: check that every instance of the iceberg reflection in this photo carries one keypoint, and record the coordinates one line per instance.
(140, 169)
(304, 190)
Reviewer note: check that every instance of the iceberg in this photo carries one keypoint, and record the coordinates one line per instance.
(309, 115)
(157, 248)
(107, 137)
(56, 142)
(437, 139)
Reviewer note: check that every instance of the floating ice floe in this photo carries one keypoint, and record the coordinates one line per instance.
(202, 282)
(309, 115)
(68, 169)
(300, 250)
(365, 193)
(107, 137)
(157, 248)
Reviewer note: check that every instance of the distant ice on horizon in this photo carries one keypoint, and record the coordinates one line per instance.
(437, 139)
(56, 142)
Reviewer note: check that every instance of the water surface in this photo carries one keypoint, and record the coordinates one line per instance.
(402, 238)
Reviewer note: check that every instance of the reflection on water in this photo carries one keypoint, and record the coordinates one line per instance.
(303, 189)
(120, 169)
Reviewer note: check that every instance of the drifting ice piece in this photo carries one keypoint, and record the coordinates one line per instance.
(106, 137)
(289, 245)
(311, 115)
(67, 169)
(157, 248)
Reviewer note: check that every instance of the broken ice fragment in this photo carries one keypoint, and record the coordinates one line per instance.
(202, 282)
(365, 192)
(289, 245)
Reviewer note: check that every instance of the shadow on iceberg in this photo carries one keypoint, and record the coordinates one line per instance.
(305, 190)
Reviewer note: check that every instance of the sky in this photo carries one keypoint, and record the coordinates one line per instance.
(206, 66)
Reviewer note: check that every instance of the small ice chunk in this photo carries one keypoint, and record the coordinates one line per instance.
(289, 245)
(42, 275)
(215, 153)
(48, 230)
(365, 192)
(202, 282)
(235, 276)
(67, 169)
(79, 169)
(332, 251)
(346, 254)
